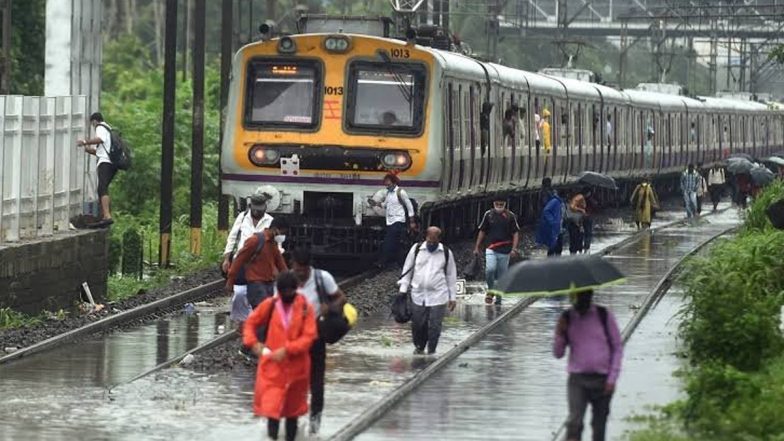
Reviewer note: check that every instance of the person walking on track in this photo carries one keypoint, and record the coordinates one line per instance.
(644, 202)
(316, 285)
(690, 184)
(499, 226)
(431, 274)
(400, 213)
(100, 146)
(595, 352)
(254, 220)
(716, 181)
(264, 262)
(281, 332)
(549, 232)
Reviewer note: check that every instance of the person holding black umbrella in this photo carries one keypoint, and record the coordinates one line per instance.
(595, 352)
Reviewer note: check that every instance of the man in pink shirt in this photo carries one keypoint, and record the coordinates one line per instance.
(595, 352)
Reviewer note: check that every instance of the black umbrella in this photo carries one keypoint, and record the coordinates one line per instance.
(596, 180)
(779, 154)
(739, 165)
(761, 175)
(557, 276)
(775, 160)
(745, 156)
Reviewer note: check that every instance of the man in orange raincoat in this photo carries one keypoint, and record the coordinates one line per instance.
(283, 376)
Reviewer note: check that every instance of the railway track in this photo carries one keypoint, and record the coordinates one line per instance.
(388, 418)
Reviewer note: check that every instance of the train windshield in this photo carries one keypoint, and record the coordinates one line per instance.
(386, 97)
(282, 94)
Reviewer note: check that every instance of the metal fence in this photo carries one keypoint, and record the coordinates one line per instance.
(44, 178)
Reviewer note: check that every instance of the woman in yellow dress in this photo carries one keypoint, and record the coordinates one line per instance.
(644, 201)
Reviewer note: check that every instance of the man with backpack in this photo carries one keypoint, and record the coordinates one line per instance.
(262, 261)
(431, 275)
(323, 293)
(108, 149)
(499, 226)
(400, 212)
(595, 353)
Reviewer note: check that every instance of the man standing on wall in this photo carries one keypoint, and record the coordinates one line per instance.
(399, 213)
(100, 146)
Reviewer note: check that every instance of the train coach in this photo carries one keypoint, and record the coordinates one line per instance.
(316, 120)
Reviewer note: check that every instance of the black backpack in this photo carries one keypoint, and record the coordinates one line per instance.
(333, 325)
(414, 205)
(120, 153)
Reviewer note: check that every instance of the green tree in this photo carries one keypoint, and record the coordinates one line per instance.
(28, 31)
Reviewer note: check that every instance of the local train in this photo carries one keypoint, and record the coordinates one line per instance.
(316, 121)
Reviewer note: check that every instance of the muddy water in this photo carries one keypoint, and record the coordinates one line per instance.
(510, 387)
(63, 394)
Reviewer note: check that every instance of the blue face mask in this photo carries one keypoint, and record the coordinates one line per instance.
(432, 247)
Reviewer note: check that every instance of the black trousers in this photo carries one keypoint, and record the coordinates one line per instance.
(318, 359)
(106, 172)
(426, 323)
(582, 390)
(273, 427)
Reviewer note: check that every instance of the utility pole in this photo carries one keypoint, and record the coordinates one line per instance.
(197, 130)
(5, 55)
(227, 37)
(167, 137)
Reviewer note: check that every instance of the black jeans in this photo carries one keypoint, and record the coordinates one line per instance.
(557, 249)
(393, 237)
(584, 389)
(258, 291)
(318, 359)
(273, 427)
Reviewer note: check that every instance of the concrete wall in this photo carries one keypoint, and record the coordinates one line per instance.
(47, 274)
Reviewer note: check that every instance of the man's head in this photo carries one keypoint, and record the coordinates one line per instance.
(96, 118)
(279, 226)
(391, 181)
(545, 113)
(287, 286)
(301, 261)
(546, 182)
(258, 206)
(691, 168)
(583, 301)
(432, 238)
(499, 204)
(609, 117)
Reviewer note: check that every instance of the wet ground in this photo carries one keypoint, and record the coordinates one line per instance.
(510, 387)
(63, 394)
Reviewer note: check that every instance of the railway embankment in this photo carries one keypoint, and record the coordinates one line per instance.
(731, 338)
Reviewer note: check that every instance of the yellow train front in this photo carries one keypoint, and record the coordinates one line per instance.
(317, 120)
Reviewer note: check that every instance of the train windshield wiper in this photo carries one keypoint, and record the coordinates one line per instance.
(406, 88)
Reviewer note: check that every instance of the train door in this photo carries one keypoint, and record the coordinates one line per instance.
(463, 112)
(562, 141)
(577, 152)
(522, 141)
(575, 137)
(473, 129)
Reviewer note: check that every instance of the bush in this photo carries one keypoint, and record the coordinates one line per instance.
(733, 296)
(756, 218)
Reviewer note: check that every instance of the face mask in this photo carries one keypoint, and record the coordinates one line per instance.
(280, 238)
(500, 209)
(432, 247)
(390, 187)
(288, 298)
(257, 214)
(583, 303)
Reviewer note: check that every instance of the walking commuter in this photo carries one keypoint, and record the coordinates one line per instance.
(690, 183)
(595, 352)
(431, 274)
(575, 215)
(253, 220)
(287, 325)
(702, 189)
(316, 285)
(400, 213)
(549, 232)
(545, 193)
(716, 181)
(100, 146)
(499, 226)
(743, 189)
(262, 260)
(590, 208)
(644, 202)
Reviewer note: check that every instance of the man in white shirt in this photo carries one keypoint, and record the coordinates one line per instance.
(399, 212)
(609, 131)
(431, 274)
(253, 220)
(312, 281)
(100, 146)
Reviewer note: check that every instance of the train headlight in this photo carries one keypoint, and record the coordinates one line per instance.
(262, 155)
(286, 45)
(337, 43)
(401, 160)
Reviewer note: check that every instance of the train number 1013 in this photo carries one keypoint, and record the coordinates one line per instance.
(329, 90)
(400, 53)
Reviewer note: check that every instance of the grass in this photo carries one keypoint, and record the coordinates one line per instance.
(10, 319)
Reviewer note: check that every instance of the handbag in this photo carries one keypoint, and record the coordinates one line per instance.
(401, 308)
(333, 325)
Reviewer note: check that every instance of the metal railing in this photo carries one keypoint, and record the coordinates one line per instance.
(44, 178)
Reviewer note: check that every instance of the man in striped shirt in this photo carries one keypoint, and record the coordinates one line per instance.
(690, 182)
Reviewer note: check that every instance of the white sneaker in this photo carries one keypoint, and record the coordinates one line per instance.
(315, 424)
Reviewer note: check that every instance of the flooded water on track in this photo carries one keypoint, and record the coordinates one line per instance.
(509, 386)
